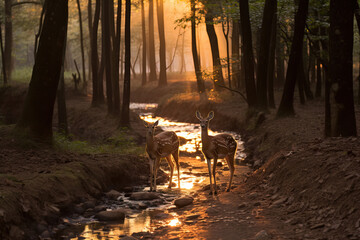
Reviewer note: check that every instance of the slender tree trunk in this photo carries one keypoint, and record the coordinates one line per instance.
(300, 80)
(341, 36)
(264, 51)
(82, 47)
(152, 59)
(36, 118)
(318, 71)
(286, 107)
(235, 46)
(197, 67)
(94, 55)
(217, 68)
(248, 53)
(226, 30)
(271, 64)
(280, 68)
(143, 32)
(125, 113)
(3, 56)
(115, 61)
(61, 101)
(162, 51)
(8, 38)
(107, 54)
(90, 19)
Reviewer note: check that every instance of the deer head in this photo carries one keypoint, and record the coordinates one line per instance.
(151, 127)
(204, 122)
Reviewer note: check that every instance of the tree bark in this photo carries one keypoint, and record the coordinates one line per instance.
(286, 107)
(143, 32)
(115, 60)
(3, 56)
(82, 47)
(162, 50)
(94, 55)
(194, 50)
(107, 54)
(8, 38)
(36, 118)
(235, 46)
(271, 64)
(264, 51)
(125, 113)
(152, 59)
(341, 36)
(248, 53)
(217, 68)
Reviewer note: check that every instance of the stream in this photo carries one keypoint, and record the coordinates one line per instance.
(148, 215)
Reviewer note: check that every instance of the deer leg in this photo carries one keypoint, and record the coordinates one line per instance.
(156, 166)
(209, 167)
(176, 158)
(214, 172)
(151, 163)
(171, 165)
(230, 162)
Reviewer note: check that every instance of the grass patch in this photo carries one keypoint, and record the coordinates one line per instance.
(23, 75)
(119, 143)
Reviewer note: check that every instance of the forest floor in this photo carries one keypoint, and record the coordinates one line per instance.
(305, 186)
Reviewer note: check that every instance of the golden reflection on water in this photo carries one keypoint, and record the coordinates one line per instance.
(95, 231)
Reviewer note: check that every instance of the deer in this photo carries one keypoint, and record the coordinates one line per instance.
(217, 147)
(162, 145)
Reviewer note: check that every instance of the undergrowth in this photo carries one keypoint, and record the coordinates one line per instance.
(119, 143)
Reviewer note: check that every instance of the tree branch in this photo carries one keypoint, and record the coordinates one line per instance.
(232, 90)
(25, 2)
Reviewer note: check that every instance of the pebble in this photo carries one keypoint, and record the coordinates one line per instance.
(113, 194)
(262, 235)
(144, 196)
(182, 202)
(115, 215)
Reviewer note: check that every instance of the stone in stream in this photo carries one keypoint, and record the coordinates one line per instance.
(183, 201)
(262, 235)
(114, 215)
(100, 208)
(144, 196)
(128, 238)
(113, 194)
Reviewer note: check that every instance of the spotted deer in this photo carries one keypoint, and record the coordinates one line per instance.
(162, 145)
(216, 147)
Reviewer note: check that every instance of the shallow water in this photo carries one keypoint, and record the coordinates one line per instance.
(193, 178)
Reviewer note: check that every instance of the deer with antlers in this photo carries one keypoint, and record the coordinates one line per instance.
(162, 145)
(217, 147)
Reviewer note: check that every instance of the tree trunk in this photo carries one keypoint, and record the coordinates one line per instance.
(341, 36)
(143, 32)
(248, 53)
(8, 38)
(226, 30)
(286, 107)
(94, 55)
(271, 64)
(107, 54)
(61, 102)
(115, 58)
(217, 68)
(264, 51)
(82, 48)
(125, 113)
(300, 80)
(90, 17)
(235, 46)
(3, 56)
(152, 59)
(197, 67)
(162, 50)
(36, 118)
(280, 68)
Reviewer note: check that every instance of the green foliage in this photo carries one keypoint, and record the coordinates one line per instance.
(119, 143)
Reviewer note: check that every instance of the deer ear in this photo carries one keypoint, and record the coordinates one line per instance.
(210, 115)
(146, 124)
(156, 123)
(198, 115)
